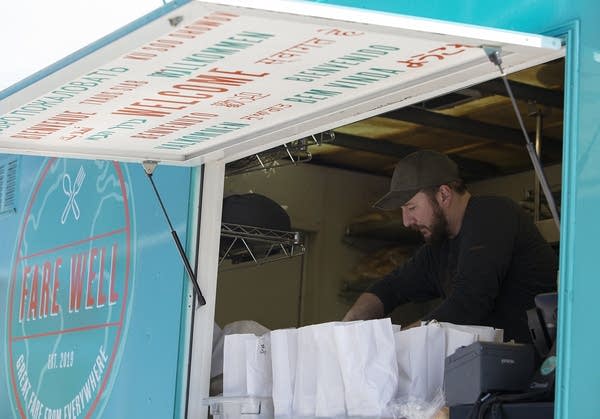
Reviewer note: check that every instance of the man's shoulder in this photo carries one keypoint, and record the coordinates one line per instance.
(498, 209)
(492, 203)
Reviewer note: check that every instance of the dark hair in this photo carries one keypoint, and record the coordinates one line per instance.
(457, 186)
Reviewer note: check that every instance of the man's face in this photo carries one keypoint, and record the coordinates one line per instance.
(424, 214)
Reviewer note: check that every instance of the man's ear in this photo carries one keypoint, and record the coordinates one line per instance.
(445, 195)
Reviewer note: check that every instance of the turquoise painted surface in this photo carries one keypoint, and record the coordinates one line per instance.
(144, 372)
(578, 369)
(144, 385)
(527, 16)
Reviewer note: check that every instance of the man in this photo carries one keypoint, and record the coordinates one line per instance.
(482, 255)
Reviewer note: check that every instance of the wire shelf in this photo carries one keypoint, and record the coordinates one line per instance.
(240, 243)
(293, 152)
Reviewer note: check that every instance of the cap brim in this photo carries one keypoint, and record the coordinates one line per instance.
(394, 200)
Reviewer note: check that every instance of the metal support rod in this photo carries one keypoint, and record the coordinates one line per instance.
(260, 161)
(186, 262)
(228, 250)
(494, 56)
(538, 149)
(289, 154)
(300, 311)
(249, 251)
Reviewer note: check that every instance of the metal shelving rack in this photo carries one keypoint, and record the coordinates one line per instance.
(293, 152)
(259, 245)
(262, 245)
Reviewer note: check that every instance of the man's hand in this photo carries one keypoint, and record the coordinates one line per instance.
(367, 306)
(413, 324)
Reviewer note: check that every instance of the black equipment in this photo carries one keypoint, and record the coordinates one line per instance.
(542, 322)
(537, 399)
(486, 367)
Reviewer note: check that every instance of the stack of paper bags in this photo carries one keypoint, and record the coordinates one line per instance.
(344, 369)
(323, 370)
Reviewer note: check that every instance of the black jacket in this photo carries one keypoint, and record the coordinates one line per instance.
(487, 275)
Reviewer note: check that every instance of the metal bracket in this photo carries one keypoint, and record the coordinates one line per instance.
(323, 137)
(149, 166)
(290, 153)
(175, 20)
(494, 55)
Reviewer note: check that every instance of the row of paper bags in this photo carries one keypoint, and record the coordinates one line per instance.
(344, 368)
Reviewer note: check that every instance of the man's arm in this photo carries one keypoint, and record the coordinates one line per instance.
(413, 281)
(367, 306)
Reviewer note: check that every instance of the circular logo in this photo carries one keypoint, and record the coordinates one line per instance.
(69, 288)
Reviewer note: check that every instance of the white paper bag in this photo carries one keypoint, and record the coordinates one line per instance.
(305, 383)
(383, 367)
(259, 376)
(420, 352)
(216, 362)
(403, 357)
(330, 400)
(482, 333)
(283, 359)
(234, 328)
(367, 358)
(456, 338)
(234, 364)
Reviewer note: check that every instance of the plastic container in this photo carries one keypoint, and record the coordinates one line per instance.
(248, 407)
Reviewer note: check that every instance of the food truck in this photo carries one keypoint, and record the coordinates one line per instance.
(115, 162)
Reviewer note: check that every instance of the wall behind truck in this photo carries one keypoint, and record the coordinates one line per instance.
(111, 348)
(578, 379)
(518, 186)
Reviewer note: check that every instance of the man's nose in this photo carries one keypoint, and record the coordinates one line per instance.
(407, 220)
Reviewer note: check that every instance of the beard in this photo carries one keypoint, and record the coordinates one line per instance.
(439, 226)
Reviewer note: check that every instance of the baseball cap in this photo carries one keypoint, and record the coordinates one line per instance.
(419, 170)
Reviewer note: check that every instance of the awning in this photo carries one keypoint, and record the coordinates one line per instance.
(223, 80)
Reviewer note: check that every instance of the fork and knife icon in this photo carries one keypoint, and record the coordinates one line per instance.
(71, 190)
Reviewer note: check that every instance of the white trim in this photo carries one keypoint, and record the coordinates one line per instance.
(206, 266)
(395, 21)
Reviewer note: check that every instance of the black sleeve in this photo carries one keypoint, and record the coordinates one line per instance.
(413, 281)
(486, 244)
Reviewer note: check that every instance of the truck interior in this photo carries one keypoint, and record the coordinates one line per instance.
(327, 183)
